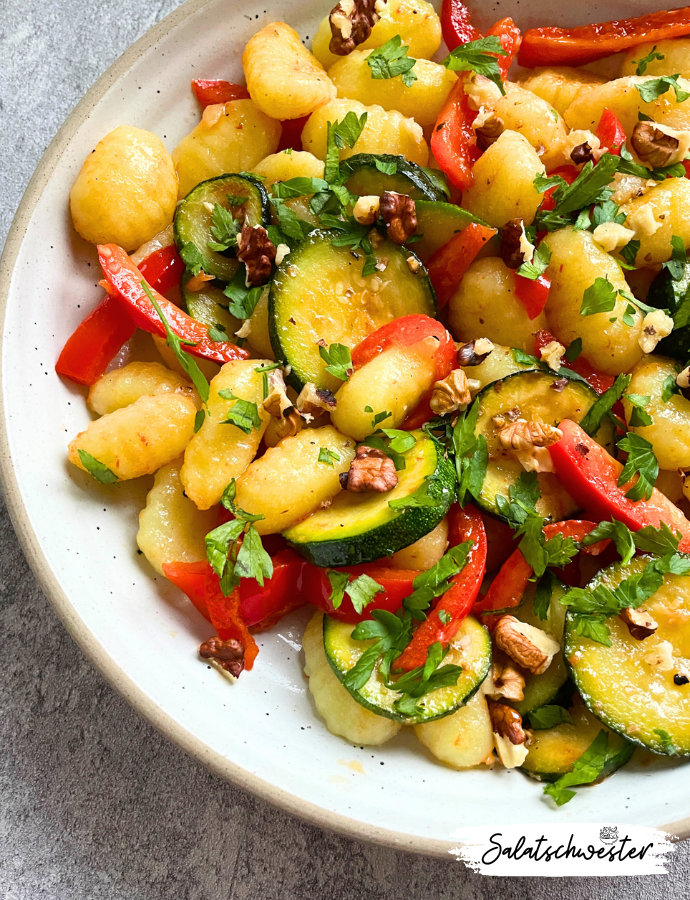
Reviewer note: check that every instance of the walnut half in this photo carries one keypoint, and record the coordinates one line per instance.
(640, 624)
(371, 471)
(451, 394)
(528, 441)
(351, 23)
(510, 739)
(257, 252)
(507, 679)
(228, 654)
(400, 215)
(528, 646)
(653, 146)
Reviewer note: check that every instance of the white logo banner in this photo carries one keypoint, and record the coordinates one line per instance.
(563, 850)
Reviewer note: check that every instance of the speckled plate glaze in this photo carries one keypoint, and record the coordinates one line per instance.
(263, 733)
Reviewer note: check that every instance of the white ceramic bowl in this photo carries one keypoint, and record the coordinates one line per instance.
(262, 734)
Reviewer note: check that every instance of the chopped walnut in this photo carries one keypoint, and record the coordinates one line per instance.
(661, 657)
(627, 187)
(277, 403)
(257, 252)
(611, 236)
(655, 326)
(371, 471)
(475, 352)
(366, 209)
(683, 379)
(506, 678)
(530, 647)
(510, 739)
(228, 654)
(279, 429)
(244, 330)
(642, 221)
(512, 250)
(399, 214)
(451, 394)
(640, 624)
(528, 442)
(580, 146)
(488, 128)
(413, 264)
(282, 251)
(312, 400)
(552, 354)
(581, 154)
(654, 147)
(196, 282)
(351, 23)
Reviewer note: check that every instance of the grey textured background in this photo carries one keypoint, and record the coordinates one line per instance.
(94, 803)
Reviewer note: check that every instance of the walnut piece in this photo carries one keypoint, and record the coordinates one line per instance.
(552, 354)
(528, 441)
(528, 646)
(228, 654)
(611, 236)
(507, 679)
(683, 379)
(312, 400)
(277, 403)
(581, 154)
(653, 146)
(351, 23)
(366, 209)
(640, 624)
(656, 325)
(512, 252)
(475, 352)
(399, 213)
(661, 657)
(488, 128)
(451, 394)
(257, 252)
(371, 471)
(510, 739)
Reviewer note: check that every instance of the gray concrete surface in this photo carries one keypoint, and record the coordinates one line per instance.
(94, 803)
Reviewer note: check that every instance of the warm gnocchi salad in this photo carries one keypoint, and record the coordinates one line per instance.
(406, 338)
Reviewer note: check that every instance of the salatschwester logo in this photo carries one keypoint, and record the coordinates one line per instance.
(563, 850)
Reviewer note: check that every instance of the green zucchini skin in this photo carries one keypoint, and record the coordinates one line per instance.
(438, 223)
(209, 305)
(306, 301)
(363, 178)
(361, 528)
(193, 221)
(618, 686)
(531, 393)
(342, 653)
(666, 293)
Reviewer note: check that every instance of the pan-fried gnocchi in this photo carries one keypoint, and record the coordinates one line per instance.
(335, 419)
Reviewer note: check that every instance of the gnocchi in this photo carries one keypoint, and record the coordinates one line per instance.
(124, 386)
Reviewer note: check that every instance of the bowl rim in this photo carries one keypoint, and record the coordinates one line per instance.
(133, 693)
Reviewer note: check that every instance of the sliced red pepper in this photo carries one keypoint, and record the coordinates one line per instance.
(464, 525)
(597, 380)
(397, 584)
(209, 92)
(226, 618)
(587, 43)
(453, 140)
(190, 578)
(448, 265)
(456, 25)
(610, 132)
(99, 337)
(511, 38)
(568, 174)
(533, 294)
(291, 136)
(590, 475)
(500, 540)
(125, 278)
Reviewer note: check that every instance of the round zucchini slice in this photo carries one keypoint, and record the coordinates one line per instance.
(194, 220)
(319, 294)
(554, 751)
(474, 657)
(542, 689)
(361, 528)
(621, 684)
(209, 306)
(398, 175)
(531, 394)
(437, 223)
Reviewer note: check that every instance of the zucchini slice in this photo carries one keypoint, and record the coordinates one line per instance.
(437, 223)
(542, 689)
(364, 178)
(361, 528)
(475, 658)
(620, 684)
(194, 219)
(209, 306)
(554, 751)
(540, 394)
(319, 294)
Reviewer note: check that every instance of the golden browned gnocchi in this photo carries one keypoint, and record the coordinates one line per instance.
(559, 85)
(658, 215)
(140, 438)
(284, 79)
(231, 137)
(137, 379)
(535, 119)
(670, 58)
(126, 190)
(462, 740)
(284, 166)
(425, 552)
(384, 132)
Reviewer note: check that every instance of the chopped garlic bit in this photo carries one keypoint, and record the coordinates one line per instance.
(661, 657)
(642, 221)
(282, 251)
(655, 326)
(481, 92)
(611, 236)
(552, 354)
(483, 346)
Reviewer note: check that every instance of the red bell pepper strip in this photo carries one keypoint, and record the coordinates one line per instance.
(568, 174)
(464, 525)
(226, 618)
(456, 25)
(453, 140)
(533, 294)
(610, 132)
(511, 38)
(124, 277)
(590, 475)
(510, 584)
(396, 583)
(210, 92)
(597, 380)
(587, 43)
(686, 166)
(449, 263)
(291, 136)
(99, 337)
